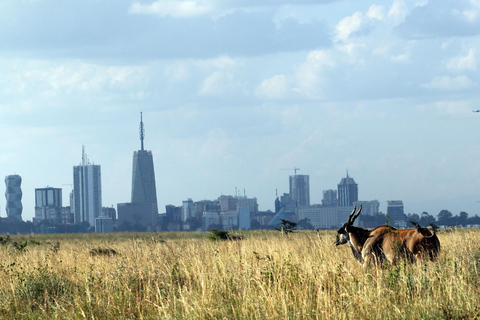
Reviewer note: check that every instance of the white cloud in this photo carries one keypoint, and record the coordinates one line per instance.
(349, 25)
(217, 83)
(376, 12)
(222, 62)
(450, 83)
(176, 9)
(177, 71)
(359, 23)
(472, 13)
(275, 87)
(309, 74)
(404, 57)
(464, 62)
(398, 11)
(40, 79)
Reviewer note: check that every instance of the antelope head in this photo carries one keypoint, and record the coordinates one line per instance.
(342, 233)
(424, 231)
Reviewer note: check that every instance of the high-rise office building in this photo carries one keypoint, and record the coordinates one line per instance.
(347, 192)
(396, 214)
(329, 198)
(87, 191)
(48, 204)
(143, 209)
(13, 195)
(300, 189)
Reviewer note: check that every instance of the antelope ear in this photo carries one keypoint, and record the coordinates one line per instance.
(358, 213)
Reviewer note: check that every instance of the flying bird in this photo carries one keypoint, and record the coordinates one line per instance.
(475, 110)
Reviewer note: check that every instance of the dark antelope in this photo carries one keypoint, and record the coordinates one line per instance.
(358, 237)
(388, 243)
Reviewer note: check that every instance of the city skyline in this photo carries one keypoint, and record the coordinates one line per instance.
(236, 92)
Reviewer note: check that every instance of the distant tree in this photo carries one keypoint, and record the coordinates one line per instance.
(286, 226)
(426, 218)
(473, 220)
(445, 218)
(413, 217)
(372, 221)
(462, 219)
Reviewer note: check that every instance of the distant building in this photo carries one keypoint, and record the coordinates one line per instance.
(347, 192)
(199, 207)
(87, 191)
(285, 202)
(188, 210)
(396, 213)
(48, 205)
(13, 195)
(109, 212)
(173, 218)
(324, 217)
(369, 208)
(103, 224)
(329, 198)
(144, 191)
(300, 189)
(135, 216)
(228, 203)
(263, 218)
(243, 212)
(210, 219)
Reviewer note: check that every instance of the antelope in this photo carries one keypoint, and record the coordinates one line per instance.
(418, 243)
(388, 243)
(357, 237)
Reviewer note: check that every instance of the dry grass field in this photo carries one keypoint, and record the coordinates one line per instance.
(266, 275)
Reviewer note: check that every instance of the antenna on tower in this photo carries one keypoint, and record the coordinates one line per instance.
(84, 156)
(142, 131)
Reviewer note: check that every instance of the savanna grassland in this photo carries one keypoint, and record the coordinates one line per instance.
(266, 275)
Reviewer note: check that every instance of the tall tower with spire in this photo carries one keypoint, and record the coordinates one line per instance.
(144, 192)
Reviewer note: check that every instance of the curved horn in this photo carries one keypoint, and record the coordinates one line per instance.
(350, 221)
(357, 214)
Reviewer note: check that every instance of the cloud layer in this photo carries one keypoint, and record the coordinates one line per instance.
(232, 91)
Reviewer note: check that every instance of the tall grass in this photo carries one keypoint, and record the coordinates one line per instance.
(266, 275)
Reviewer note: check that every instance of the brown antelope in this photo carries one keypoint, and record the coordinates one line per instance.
(388, 243)
(418, 243)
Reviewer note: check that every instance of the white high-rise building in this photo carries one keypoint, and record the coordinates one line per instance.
(87, 191)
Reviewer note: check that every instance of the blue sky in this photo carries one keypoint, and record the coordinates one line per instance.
(233, 92)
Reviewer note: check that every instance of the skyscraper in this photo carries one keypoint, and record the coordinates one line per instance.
(87, 191)
(300, 189)
(347, 192)
(143, 209)
(13, 195)
(396, 214)
(48, 204)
